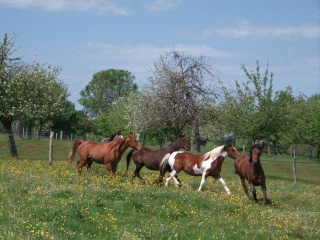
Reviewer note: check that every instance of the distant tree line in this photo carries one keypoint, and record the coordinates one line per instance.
(183, 94)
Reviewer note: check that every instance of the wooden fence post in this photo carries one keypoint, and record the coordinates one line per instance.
(51, 148)
(294, 166)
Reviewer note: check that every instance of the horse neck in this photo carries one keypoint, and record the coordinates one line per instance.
(123, 145)
(173, 147)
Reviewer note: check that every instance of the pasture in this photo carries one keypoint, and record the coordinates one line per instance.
(52, 202)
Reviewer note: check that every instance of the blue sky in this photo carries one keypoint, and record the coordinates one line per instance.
(84, 37)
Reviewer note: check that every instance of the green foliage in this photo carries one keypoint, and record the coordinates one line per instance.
(254, 112)
(105, 89)
(112, 121)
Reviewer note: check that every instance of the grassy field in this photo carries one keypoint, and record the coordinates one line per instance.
(42, 202)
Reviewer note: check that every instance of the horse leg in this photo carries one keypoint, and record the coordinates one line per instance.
(264, 191)
(109, 169)
(137, 173)
(177, 183)
(82, 163)
(220, 179)
(114, 168)
(254, 192)
(90, 161)
(243, 183)
(79, 167)
(163, 169)
(203, 179)
(171, 175)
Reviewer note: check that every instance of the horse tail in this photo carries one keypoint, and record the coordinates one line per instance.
(129, 155)
(164, 163)
(75, 147)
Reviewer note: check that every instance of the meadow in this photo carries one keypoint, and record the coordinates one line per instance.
(52, 202)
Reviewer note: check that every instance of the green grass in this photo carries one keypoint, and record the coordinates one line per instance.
(42, 202)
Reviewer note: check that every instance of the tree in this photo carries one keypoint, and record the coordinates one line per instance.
(104, 90)
(66, 120)
(112, 121)
(248, 112)
(44, 96)
(146, 111)
(178, 94)
(8, 89)
(82, 125)
(27, 90)
(306, 125)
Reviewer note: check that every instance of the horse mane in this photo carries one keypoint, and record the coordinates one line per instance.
(213, 153)
(113, 136)
(113, 143)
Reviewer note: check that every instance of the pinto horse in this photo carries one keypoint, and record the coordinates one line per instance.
(108, 153)
(114, 136)
(248, 167)
(152, 158)
(205, 165)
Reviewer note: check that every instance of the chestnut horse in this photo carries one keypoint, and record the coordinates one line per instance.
(114, 136)
(248, 167)
(205, 165)
(108, 153)
(152, 158)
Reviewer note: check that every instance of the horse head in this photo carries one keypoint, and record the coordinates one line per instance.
(133, 142)
(255, 153)
(182, 142)
(231, 151)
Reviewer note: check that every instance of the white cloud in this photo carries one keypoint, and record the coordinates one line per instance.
(138, 59)
(100, 6)
(246, 29)
(142, 54)
(162, 5)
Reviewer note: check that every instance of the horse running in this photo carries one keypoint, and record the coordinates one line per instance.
(114, 136)
(208, 164)
(248, 167)
(108, 153)
(152, 158)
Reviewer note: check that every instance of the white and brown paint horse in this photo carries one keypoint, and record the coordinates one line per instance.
(205, 165)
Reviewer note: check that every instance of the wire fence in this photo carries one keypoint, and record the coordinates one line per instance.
(34, 147)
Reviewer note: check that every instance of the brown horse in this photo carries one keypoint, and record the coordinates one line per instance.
(152, 158)
(108, 153)
(248, 167)
(114, 136)
(205, 165)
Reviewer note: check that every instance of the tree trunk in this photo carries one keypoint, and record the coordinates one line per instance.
(309, 153)
(20, 128)
(12, 143)
(40, 129)
(196, 135)
(29, 131)
(274, 150)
